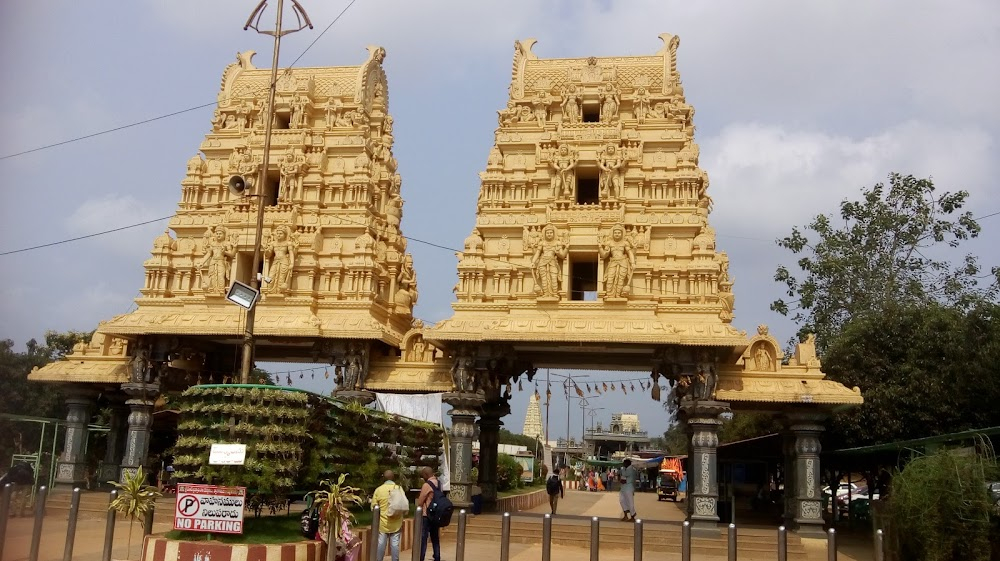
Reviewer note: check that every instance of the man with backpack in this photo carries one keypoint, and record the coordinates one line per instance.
(393, 505)
(554, 487)
(437, 512)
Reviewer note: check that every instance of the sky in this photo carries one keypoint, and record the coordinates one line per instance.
(799, 106)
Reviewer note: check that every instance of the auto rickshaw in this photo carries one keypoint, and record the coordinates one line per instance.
(666, 486)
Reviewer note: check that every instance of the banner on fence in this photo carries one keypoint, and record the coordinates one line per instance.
(209, 508)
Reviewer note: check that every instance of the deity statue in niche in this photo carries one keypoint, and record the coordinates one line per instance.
(243, 114)
(509, 114)
(620, 253)
(571, 105)
(231, 122)
(334, 109)
(280, 251)
(610, 102)
(297, 119)
(762, 359)
(353, 372)
(640, 105)
(564, 160)
(463, 373)
(394, 212)
(541, 105)
(546, 264)
(219, 253)
(611, 160)
(292, 169)
(406, 283)
(246, 166)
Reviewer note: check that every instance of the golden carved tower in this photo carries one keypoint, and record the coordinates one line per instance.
(533, 418)
(335, 262)
(592, 220)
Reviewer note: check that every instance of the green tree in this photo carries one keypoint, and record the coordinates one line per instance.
(923, 370)
(507, 437)
(881, 254)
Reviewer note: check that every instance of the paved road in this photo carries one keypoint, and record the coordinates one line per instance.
(90, 535)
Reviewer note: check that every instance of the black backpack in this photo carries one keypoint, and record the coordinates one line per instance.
(553, 485)
(440, 509)
(310, 523)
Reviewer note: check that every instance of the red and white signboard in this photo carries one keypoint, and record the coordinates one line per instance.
(208, 508)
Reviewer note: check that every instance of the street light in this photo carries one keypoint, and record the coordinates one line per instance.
(254, 22)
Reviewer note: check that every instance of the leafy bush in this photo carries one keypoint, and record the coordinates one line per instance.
(939, 508)
(508, 473)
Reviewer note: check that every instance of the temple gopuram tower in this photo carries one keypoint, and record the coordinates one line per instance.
(592, 249)
(592, 206)
(338, 285)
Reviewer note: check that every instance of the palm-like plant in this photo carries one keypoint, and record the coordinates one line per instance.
(134, 500)
(334, 501)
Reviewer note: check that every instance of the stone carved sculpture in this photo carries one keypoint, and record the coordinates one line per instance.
(541, 106)
(297, 118)
(352, 377)
(334, 109)
(762, 359)
(140, 367)
(640, 104)
(610, 103)
(572, 107)
(406, 286)
(219, 253)
(726, 297)
(611, 160)
(292, 169)
(564, 181)
(279, 251)
(707, 378)
(620, 253)
(508, 115)
(546, 264)
(463, 373)
(247, 165)
(394, 213)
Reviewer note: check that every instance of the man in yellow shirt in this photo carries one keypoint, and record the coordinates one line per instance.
(390, 527)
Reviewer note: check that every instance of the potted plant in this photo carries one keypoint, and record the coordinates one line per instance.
(134, 500)
(333, 500)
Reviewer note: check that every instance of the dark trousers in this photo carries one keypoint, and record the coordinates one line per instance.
(430, 529)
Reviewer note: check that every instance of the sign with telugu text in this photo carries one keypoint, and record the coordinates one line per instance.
(227, 455)
(209, 508)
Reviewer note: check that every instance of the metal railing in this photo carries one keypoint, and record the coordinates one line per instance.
(732, 535)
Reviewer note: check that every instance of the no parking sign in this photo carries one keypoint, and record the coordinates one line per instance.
(209, 508)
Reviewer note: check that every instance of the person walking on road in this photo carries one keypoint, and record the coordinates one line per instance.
(626, 494)
(390, 527)
(554, 487)
(424, 501)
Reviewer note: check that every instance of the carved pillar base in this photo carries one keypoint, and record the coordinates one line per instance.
(116, 444)
(489, 440)
(464, 409)
(71, 468)
(363, 397)
(804, 500)
(140, 421)
(703, 484)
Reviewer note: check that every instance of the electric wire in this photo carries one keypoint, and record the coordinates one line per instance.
(215, 102)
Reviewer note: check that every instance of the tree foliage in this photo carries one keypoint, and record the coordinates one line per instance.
(894, 315)
(922, 369)
(21, 397)
(885, 252)
(507, 437)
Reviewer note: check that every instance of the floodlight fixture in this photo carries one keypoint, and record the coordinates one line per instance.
(243, 295)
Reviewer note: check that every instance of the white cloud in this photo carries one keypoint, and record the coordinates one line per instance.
(765, 178)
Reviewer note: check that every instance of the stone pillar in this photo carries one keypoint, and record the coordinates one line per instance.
(115, 445)
(489, 441)
(703, 483)
(464, 409)
(71, 468)
(363, 397)
(142, 397)
(806, 506)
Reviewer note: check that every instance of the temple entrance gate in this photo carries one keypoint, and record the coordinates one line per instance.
(591, 249)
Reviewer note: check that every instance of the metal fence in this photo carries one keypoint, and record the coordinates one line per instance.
(732, 536)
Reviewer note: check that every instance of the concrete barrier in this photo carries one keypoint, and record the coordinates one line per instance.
(158, 548)
(527, 501)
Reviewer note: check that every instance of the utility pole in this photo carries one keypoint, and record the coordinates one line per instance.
(254, 22)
